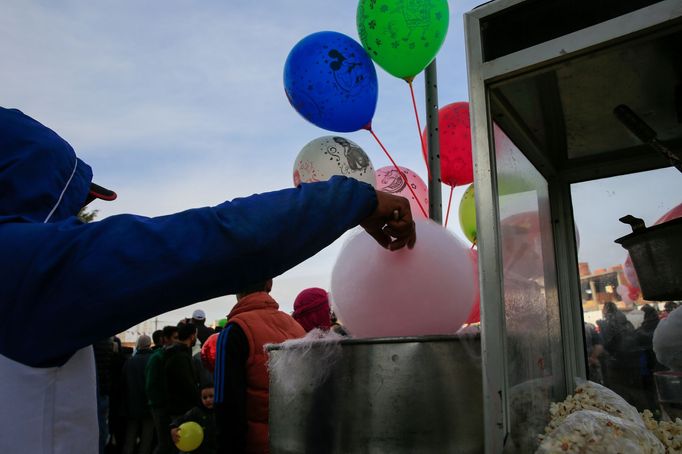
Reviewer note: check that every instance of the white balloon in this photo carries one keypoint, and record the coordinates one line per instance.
(426, 290)
(327, 156)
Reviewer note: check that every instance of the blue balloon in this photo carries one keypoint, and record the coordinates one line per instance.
(331, 81)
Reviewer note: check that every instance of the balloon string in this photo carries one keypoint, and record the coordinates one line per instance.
(419, 129)
(407, 183)
(473, 245)
(447, 214)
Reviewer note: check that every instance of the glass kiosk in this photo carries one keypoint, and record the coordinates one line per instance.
(564, 95)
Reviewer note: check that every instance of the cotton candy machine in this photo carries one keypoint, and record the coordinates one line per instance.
(382, 395)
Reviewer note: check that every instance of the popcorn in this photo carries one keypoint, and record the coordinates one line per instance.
(592, 396)
(668, 432)
(590, 431)
(597, 420)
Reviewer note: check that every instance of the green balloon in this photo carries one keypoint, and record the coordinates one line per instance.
(222, 322)
(402, 36)
(467, 214)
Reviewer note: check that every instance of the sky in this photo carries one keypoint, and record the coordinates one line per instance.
(180, 104)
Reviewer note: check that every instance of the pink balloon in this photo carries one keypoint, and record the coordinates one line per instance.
(672, 214)
(624, 293)
(390, 180)
(630, 274)
(475, 313)
(426, 290)
(521, 245)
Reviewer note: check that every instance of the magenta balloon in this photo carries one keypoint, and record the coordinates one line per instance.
(389, 180)
(426, 290)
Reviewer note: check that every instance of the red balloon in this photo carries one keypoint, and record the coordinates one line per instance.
(456, 165)
(208, 351)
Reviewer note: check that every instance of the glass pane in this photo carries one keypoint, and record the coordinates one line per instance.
(534, 347)
(619, 323)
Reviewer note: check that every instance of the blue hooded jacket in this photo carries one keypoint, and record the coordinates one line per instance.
(122, 270)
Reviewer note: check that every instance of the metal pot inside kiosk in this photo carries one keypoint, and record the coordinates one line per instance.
(656, 254)
(390, 395)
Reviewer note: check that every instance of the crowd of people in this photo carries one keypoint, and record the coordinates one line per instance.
(621, 356)
(189, 372)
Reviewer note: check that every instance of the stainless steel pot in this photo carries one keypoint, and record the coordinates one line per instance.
(389, 395)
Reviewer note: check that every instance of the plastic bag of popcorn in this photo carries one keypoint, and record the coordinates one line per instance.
(592, 396)
(589, 431)
(668, 432)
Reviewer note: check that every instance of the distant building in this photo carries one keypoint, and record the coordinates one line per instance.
(599, 286)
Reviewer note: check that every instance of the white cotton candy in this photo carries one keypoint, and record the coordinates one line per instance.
(668, 341)
(305, 363)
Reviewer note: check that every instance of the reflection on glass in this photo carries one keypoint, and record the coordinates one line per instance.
(619, 323)
(535, 358)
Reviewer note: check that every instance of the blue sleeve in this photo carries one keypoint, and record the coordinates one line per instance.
(68, 284)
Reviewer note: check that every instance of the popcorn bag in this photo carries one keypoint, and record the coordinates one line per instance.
(589, 431)
(592, 396)
(597, 420)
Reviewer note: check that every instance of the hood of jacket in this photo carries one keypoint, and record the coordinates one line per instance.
(41, 179)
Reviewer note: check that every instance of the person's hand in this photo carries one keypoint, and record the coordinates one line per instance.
(175, 434)
(391, 223)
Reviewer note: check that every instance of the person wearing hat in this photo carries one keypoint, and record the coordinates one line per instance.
(311, 309)
(199, 320)
(122, 270)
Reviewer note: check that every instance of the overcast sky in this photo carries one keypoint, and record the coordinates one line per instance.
(179, 104)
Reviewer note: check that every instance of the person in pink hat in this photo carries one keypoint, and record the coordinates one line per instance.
(311, 309)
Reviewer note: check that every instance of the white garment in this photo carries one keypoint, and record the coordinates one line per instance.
(49, 410)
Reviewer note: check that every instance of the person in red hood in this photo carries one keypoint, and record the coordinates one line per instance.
(241, 375)
(311, 309)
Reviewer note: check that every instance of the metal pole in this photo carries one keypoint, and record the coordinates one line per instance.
(435, 196)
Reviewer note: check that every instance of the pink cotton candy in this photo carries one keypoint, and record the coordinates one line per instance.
(427, 290)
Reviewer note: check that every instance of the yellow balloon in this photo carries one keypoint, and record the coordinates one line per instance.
(191, 435)
(467, 214)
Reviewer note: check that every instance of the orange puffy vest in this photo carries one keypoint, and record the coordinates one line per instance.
(258, 315)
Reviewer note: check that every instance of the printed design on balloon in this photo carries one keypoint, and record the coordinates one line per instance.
(346, 71)
(417, 14)
(393, 183)
(356, 160)
(307, 168)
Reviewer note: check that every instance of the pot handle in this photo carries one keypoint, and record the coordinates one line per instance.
(637, 224)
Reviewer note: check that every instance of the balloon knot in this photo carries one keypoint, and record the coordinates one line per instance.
(368, 126)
